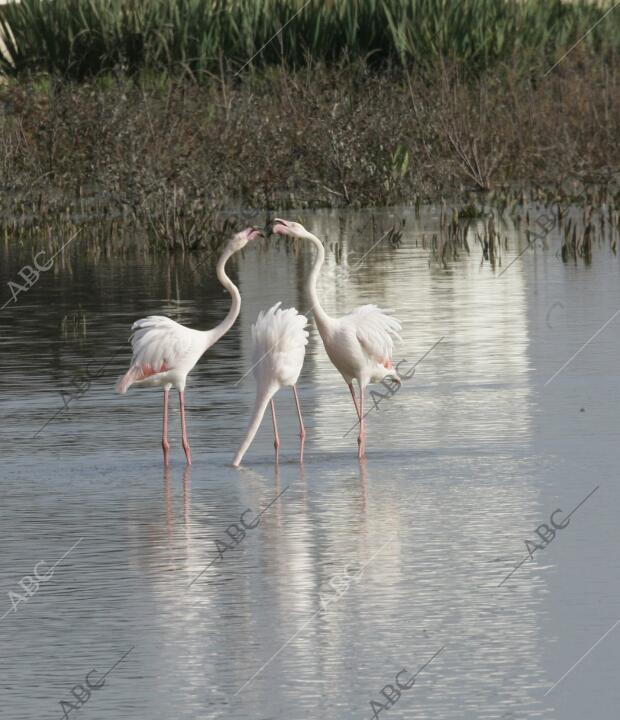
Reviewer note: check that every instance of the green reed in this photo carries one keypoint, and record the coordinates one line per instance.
(79, 38)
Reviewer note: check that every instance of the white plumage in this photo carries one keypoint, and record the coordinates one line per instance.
(375, 330)
(359, 344)
(164, 352)
(279, 340)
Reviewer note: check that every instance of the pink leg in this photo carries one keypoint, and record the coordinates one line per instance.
(184, 440)
(302, 429)
(357, 410)
(164, 436)
(361, 445)
(276, 442)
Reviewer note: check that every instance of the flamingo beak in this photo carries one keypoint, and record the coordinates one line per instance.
(272, 227)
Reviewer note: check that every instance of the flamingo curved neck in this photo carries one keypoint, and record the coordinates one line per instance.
(321, 317)
(221, 329)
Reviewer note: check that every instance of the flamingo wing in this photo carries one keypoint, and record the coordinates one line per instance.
(375, 332)
(159, 344)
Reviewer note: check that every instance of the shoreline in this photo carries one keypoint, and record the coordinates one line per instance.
(168, 148)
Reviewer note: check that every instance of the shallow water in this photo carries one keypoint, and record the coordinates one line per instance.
(475, 451)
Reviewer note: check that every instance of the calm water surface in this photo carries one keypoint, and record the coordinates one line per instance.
(356, 571)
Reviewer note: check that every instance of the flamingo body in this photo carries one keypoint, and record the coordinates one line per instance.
(360, 344)
(279, 340)
(164, 353)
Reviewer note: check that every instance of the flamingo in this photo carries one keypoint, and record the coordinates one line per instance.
(359, 344)
(278, 349)
(164, 352)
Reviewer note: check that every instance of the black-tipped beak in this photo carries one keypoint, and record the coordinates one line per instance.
(272, 223)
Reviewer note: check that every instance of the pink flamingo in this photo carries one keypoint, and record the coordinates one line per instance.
(359, 344)
(279, 342)
(164, 352)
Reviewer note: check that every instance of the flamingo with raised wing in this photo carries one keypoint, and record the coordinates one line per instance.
(359, 344)
(279, 340)
(164, 352)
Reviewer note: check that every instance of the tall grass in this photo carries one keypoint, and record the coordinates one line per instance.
(78, 38)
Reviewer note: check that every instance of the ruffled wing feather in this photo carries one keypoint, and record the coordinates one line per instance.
(376, 332)
(279, 342)
(159, 344)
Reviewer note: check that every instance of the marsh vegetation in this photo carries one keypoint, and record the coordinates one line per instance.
(136, 122)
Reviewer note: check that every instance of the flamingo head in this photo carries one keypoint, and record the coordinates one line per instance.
(288, 227)
(241, 239)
